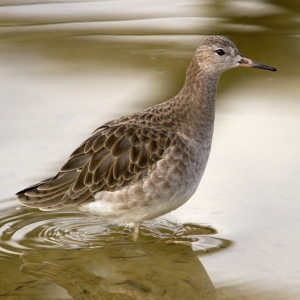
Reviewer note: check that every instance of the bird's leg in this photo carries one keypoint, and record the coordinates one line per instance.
(136, 232)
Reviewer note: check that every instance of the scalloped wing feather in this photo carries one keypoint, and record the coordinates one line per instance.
(116, 155)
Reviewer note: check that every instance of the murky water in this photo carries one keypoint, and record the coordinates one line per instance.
(74, 230)
(66, 67)
(83, 257)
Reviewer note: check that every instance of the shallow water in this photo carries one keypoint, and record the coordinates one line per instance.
(66, 229)
(66, 67)
(82, 257)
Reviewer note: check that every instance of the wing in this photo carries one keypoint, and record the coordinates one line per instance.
(116, 155)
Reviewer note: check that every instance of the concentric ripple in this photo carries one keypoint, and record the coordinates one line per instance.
(31, 229)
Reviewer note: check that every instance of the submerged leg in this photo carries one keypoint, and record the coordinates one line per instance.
(136, 232)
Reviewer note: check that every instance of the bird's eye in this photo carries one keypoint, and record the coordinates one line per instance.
(220, 52)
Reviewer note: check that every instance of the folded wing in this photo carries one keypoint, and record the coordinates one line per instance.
(114, 157)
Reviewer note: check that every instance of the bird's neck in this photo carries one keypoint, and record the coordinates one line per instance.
(197, 101)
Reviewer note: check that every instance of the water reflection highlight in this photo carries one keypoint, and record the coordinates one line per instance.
(31, 229)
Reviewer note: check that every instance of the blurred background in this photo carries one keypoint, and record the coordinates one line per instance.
(66, 67)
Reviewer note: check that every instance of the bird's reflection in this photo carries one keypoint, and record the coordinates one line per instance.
(75, 256)
(134, 271)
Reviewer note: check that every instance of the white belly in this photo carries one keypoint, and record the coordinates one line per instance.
(169, 185)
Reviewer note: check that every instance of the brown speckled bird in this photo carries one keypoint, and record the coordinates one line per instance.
(149, 163)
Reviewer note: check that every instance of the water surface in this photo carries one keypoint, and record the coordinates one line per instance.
(66, 67)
